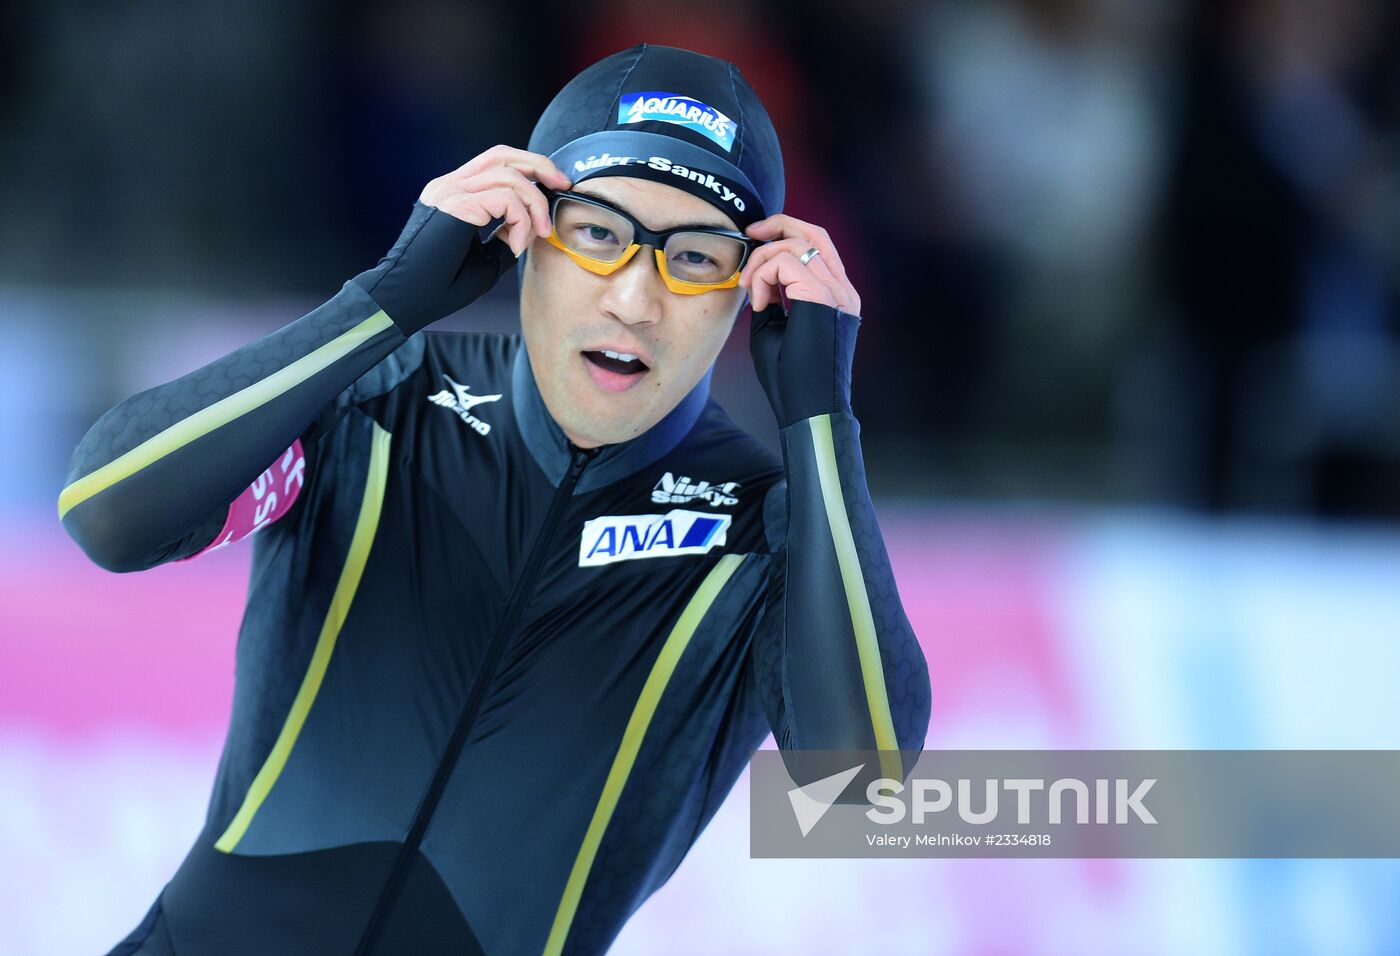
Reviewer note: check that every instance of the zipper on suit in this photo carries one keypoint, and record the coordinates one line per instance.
(515, 606)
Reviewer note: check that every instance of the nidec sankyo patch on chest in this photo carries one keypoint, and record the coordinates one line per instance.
(629, 537)
(682, 111)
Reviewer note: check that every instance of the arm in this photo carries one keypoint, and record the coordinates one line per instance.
(159, 476)
(844, 669)
(834, 659)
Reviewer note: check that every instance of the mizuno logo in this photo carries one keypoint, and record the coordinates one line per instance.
(462, 402)
(679, 491)
(629, 537)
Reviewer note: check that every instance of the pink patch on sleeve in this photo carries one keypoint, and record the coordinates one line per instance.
(264, 501)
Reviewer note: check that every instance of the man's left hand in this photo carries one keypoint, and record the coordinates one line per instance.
(775, 268)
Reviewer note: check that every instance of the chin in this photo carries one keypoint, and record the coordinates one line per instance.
(610, 430)
(613, 432)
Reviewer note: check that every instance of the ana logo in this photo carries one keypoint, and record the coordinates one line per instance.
(629, 537)
(664, 165)
(462, 402)
(673, 490)
(680, 110)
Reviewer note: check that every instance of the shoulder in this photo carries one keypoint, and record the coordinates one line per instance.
(765, 474)
(426, 364)
(430, 359)
(477, 350)
(428, 355)
(721, 466)
(720, 442)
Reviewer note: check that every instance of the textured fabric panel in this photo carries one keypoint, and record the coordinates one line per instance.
(296, 565)
(906, 673)
(155, 409)
(171, 506)
(807, 662)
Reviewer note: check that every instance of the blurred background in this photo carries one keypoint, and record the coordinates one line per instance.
(1128, 376)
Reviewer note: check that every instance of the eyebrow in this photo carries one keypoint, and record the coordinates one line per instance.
(682, 225)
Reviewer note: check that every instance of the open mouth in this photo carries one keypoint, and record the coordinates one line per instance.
(614, 371)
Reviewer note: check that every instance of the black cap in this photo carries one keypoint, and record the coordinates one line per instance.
(672, 116)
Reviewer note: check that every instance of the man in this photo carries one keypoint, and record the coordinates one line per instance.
(522, 607)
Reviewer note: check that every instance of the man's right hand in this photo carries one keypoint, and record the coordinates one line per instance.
(440, 263)
(500, 184)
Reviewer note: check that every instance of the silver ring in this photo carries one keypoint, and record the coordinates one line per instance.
(810, 254)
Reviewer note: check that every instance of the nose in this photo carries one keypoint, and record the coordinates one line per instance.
(635, 293)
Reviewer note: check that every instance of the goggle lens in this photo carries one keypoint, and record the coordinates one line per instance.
(599, 234)
(590, 230)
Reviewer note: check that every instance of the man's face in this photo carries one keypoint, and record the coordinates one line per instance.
(569, 316)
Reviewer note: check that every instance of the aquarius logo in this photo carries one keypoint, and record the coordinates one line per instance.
(680, 110)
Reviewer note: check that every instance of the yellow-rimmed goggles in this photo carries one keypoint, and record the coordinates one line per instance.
(602, 239)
